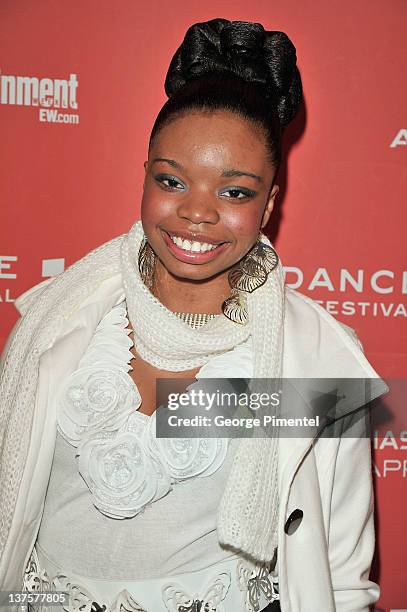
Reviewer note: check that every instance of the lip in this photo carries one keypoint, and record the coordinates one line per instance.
(190, 256)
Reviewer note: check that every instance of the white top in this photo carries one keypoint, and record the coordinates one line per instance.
(123, 506)
(174, 535)
(119, 460)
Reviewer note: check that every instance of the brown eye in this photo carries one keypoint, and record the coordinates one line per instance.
(170, 182)
(238, 193)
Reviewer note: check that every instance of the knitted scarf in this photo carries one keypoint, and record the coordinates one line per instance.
(248, 511)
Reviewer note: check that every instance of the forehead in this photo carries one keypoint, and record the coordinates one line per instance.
(217, 137)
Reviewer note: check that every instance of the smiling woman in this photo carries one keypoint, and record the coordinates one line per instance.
(92, 500)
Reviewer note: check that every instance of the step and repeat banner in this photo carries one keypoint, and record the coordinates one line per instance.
(80, 86)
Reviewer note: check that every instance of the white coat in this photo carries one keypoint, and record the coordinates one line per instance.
(323, 564)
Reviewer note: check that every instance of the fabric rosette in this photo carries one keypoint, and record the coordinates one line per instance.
(186, 457)
(120, 474)
(95, 398)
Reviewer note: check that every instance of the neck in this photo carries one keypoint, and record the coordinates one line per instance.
(184, 295)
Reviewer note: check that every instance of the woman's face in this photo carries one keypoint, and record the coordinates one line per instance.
(206, 193)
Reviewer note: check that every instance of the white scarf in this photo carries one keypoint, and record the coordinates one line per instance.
(248, 511)
(160, 336)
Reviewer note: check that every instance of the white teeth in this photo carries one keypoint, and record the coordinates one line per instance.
(195, 247)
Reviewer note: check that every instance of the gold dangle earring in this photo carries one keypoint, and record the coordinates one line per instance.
(249, 274)
(146, 263)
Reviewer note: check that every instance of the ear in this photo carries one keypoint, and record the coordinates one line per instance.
(269, 206)
(145, 174)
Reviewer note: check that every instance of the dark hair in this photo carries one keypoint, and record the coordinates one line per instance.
(235, 66)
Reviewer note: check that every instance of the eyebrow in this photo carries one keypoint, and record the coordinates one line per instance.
(232, 172)
(228, 172)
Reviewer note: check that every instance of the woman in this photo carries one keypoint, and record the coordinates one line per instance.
(93, 503)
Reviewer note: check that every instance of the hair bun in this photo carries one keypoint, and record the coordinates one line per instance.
(240, 38)
(245, 49)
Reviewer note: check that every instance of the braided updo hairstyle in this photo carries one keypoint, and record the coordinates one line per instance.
(236, 66)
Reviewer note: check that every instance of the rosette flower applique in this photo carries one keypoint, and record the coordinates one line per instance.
(120, 459)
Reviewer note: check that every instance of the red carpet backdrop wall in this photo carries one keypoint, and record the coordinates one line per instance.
(81, 83)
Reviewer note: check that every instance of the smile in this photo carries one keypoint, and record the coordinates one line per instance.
(195, 246)
(192, 251)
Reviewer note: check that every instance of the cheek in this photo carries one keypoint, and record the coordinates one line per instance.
(154, 207)
(244, 224)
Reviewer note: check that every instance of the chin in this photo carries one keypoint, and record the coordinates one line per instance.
(192, 272)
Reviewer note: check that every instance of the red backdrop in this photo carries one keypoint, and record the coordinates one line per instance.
(71, 177)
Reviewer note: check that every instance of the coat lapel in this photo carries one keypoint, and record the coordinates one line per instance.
(317, 346)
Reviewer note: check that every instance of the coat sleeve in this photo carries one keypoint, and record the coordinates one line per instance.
(22, 303)
(352, 531)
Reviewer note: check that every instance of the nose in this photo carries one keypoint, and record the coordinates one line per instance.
(198, 209)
